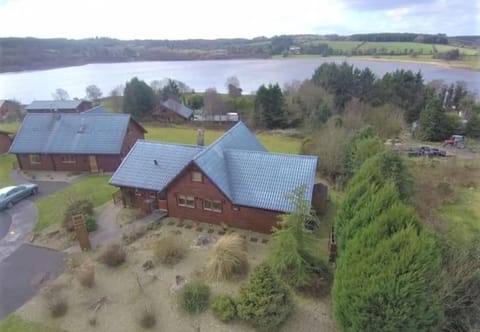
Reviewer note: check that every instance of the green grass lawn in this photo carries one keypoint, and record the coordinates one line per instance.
(52, 208)
(6, 166)
(463, 216)
(10, 127)
(185, 135)
(13, 323)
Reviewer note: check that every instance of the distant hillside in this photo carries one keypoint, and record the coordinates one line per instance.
(18, 54)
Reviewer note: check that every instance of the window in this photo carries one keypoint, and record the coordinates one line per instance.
(152, 195)
(138, 192)
(69, 159)
(235, 208)
(196, 176)
(210, 205)
(35, 159)
(186, 201)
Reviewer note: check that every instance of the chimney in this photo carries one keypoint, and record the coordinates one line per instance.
(201, 137)
(155, 162)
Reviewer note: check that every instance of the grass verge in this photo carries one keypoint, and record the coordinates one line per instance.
(52, 208)
(463, 216)
(6, 162)
(13, 323)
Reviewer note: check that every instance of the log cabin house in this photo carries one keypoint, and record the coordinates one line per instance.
(172, 111)
(60, 106)
(5, 141)
(234, 181)
(79, 142)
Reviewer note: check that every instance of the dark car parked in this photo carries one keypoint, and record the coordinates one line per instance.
(13, 194)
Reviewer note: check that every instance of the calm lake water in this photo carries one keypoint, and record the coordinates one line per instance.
(200, 75)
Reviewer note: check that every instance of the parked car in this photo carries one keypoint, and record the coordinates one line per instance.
(13, 194)
(426, 151)
(456, 141)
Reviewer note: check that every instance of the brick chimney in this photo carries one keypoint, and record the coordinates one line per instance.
(200, 137)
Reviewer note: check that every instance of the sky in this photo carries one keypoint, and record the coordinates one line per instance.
(210, 19)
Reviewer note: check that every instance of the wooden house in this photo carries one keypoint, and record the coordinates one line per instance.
(172, 111)
(60, 106)
(234, 181)
(5, 141)
(79, 142)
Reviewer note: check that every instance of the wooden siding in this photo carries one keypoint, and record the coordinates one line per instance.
(5, 142)
(254, 219)
(164, 114)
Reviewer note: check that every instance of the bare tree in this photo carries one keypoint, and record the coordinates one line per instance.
(214, 104)
(117, 98)
(60, 94)
(93, 92)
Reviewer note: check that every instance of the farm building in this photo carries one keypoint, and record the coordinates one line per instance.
(172, 111)
(234, 181)
(61, 106)
(8, 107)
(84, 142)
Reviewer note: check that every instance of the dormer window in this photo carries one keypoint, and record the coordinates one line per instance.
(197, 176)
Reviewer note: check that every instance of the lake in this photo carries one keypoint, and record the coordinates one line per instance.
(201, 75)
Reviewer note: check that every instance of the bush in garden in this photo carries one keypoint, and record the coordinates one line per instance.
(86, 273)
(56, 301)
(82, 206)
(170, 250)
(113, 255)
(91, 223)
(264, 302)
(145, 315)
(229, 258)
(387, 279)
(194, 297)
(224, 308)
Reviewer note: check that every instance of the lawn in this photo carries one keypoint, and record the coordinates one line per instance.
(51, 208)
(463, 216)
(6, 162)
(273, 142)
(11, 127)
(14, 323)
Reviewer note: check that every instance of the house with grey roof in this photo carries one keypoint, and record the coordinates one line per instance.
(172, 111)
(234, 181)
(76, 142)
(60, 106)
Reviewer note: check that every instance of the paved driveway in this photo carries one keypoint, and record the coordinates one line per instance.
(23, 272)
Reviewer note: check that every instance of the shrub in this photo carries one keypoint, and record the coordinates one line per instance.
(91, 224)
(82, 206)
(113, 255)
(137, 232)
(388, 284)
(145, 315)
(194, 297)
(56, 301)
(224, 309)
(170, 250)
(264, 301)
(229, 258)
(86, 273)
(472, 128)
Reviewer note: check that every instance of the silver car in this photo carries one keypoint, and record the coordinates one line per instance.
(13, 194)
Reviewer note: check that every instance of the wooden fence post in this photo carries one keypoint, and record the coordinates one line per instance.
(82, 232)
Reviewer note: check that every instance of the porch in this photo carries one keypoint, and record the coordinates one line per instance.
(146, 200)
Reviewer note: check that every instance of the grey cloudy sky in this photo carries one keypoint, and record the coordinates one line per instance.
(157, 19)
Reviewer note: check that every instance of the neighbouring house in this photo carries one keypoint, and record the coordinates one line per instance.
(8, 107)
(60, 106)
(172, 111)
(5, 141)
(229, 117)
(97, 110)
(235, 181)
(83, 142)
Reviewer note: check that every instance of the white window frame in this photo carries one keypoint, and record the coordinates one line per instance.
(33, 159)
(186, 201)
(69, 159)
(208, 205)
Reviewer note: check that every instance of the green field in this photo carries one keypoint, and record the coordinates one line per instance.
(185, 135)
(13, 323)
(6, 166)
(463, 216)
(10, 127)
(52, 208)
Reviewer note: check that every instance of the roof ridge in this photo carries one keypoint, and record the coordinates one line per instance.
(307, 156)
(218, 140)
(171, 143)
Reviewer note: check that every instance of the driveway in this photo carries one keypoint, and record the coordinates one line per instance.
(24, 272)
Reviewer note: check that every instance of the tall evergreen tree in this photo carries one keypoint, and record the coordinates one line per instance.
(270, 107)
(139, 98)
(433, 121)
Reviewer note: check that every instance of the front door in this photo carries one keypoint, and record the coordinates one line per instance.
(93, 164)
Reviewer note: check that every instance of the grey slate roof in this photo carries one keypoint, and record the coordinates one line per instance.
(97, 110)
(178, 108)
(76, 133)
(54, 104)
(237, 163)
(138, 169)
(212, 160)
(265, 180)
